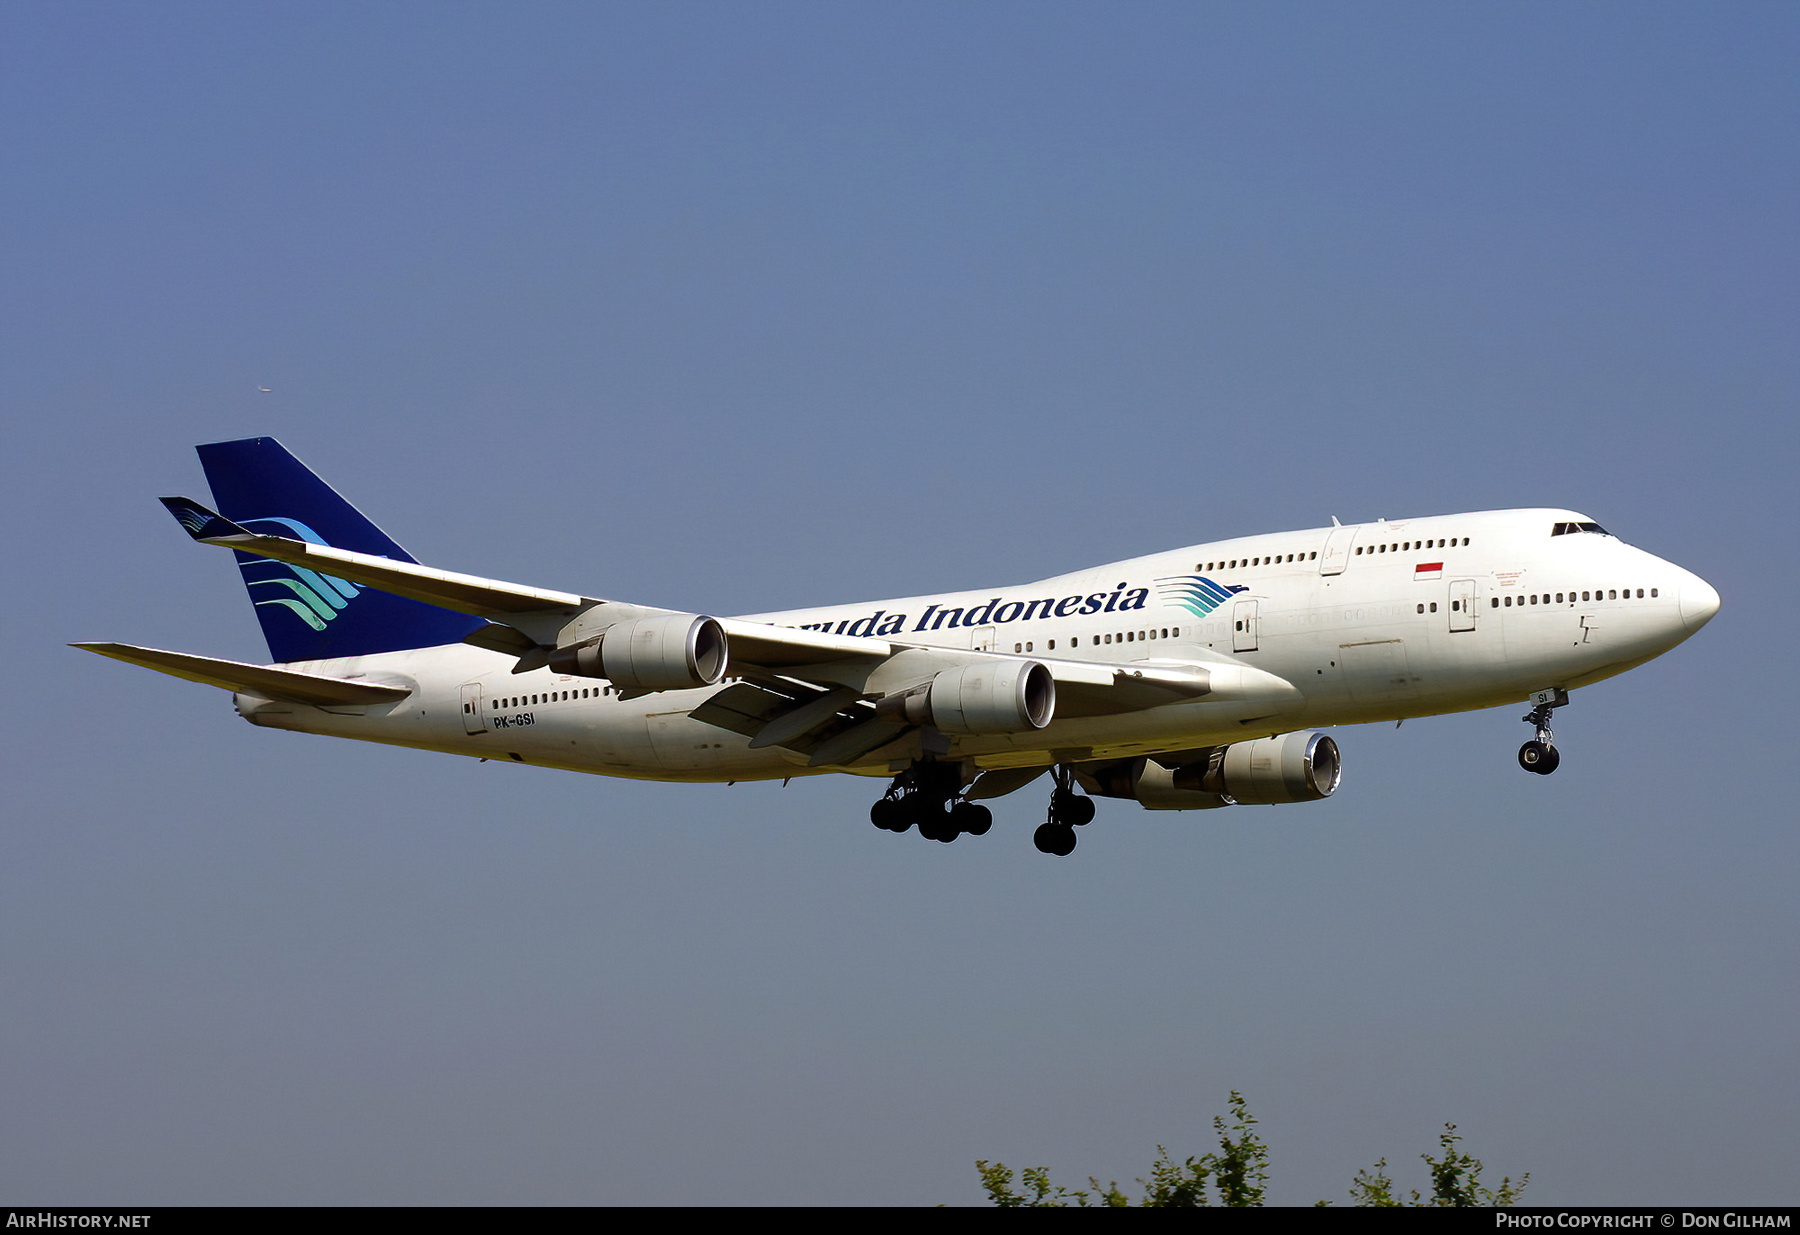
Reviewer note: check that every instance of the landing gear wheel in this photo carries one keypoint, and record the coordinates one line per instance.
(970, 818)
(936, 825)
(1539, 757)
(1068, 810)
(1071, 808)
(889, 816)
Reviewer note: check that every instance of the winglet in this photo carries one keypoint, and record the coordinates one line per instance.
(202, 524)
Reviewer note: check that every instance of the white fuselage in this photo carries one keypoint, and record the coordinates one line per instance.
(1366, 622)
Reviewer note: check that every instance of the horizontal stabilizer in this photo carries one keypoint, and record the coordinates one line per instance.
(263, 680)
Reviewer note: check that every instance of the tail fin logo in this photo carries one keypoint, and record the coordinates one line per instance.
(312, 597)
(193, 520)
(1196, 593)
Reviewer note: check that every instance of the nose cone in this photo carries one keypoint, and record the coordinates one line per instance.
(1699, 601)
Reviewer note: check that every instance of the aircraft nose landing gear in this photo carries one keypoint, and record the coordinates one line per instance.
(1539, 755)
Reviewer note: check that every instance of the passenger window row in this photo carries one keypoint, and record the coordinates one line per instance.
(1125, 636)
(1544, 598)
(524, 701)
(1405, 546)
(1412, 546)
(1238, 563)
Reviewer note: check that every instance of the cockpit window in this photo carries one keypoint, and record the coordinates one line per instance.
(1565, 529)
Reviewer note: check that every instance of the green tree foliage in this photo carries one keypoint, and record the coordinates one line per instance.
(1241, 1167)
(1455, 1181)
(1235, 1175)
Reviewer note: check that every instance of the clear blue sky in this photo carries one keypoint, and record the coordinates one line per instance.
(733, 307)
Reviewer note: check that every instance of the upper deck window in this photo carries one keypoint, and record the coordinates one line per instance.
(1564, 529)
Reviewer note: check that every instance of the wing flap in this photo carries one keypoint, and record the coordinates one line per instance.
(746, 707)
(849, 745)
(288, 684)
(814, 713)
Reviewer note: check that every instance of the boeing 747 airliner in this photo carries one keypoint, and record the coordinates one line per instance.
(1186, 680)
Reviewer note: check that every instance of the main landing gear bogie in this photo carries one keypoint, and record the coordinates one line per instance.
(928, 794)
(1540, 755)
(1068, 811)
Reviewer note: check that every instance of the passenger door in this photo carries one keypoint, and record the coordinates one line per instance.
(1462, 604)
(474, 716)
(1337, 551)
(1243, 626)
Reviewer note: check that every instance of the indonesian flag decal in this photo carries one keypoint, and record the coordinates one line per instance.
(1428, 570)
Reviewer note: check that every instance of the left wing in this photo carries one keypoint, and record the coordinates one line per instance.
(486, 598)
(538, 617)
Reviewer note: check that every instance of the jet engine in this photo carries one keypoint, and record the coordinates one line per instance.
(677, 651)
(1294, 767)
(999, 696)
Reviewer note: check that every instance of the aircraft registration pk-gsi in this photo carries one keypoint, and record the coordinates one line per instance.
(1186, 680)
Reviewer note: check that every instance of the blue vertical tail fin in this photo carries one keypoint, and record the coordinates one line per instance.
(306, 615)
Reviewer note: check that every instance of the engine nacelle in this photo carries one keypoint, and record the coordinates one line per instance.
(1294, 767)
(1146, 782)
(999, 696)
(677, 651)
